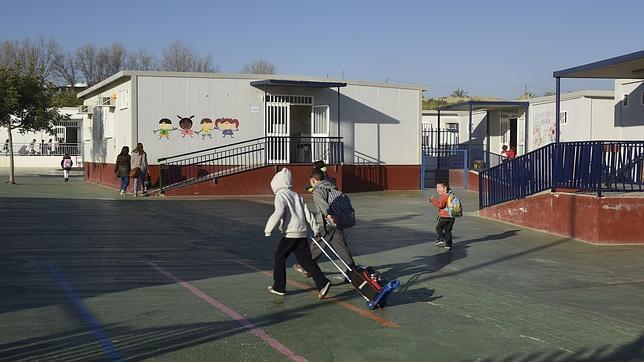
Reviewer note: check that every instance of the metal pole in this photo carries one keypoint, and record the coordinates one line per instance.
(338, 140)
(438, 125)
(487, 139)
(557, 109)
(469, 138)
(525, 128)
(557, 149)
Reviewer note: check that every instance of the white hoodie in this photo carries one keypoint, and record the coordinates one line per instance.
(291, 212)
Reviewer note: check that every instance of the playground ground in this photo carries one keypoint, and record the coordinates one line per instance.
(88, 275)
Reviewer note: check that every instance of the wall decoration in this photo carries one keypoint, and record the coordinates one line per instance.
(185, 123)
(206, 128)
(227, 126)
(165, 126)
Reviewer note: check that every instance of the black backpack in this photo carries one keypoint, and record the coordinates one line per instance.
(341, 210)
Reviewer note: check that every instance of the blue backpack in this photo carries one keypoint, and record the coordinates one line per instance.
(341, 210)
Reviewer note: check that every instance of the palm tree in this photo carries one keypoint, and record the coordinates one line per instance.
(459, 93)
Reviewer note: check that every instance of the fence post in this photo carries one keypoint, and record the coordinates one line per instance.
(160, 178)
(481, 189)
(466, 170)
(554, 159)
(599, 165)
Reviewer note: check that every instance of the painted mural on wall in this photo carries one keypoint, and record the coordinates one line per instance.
(227, 127)
(543, 129)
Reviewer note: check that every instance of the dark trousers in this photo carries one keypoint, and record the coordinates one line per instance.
(338, 241)
(299, 247)
(444, 230)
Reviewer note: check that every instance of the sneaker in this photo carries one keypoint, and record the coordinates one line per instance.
(298, 268)
(135, 194)
(439, 243)
(122, 192)
(448, 247)
(66, 179)
(324, 290)
(270, 289)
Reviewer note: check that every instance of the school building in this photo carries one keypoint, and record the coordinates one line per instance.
(214, 134)
(47, 149)
(583, 173)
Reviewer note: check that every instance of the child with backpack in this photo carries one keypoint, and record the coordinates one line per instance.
(449, 208)
(296, 224)
(66, 164)
(334, 215)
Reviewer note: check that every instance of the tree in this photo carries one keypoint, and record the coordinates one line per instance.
(29, 56)
(26, 103)
(259, 66)
(65, 68)
(527, 95)
(459, 93)
(141, 60)
(96, 64)
(179, 57)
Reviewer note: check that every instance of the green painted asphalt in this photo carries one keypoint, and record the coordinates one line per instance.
(502, 293)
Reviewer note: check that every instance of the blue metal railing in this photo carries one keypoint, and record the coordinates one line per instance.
(590, 166)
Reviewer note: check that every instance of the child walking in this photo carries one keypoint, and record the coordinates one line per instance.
(66, 164)
(445, 220)
(296, 224)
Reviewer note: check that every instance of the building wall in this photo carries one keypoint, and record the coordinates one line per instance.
(108, 129)
(630, 119)
(379, 124)
(601, 220)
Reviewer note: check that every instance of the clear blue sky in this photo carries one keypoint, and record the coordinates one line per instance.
(485, 47)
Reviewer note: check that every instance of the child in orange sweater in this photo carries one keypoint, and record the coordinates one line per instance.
(445, 223)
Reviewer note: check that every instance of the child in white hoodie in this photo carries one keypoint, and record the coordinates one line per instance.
(296, 224)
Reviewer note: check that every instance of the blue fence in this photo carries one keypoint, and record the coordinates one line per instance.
(590, 166)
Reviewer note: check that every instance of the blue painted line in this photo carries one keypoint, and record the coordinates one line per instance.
(95, 327)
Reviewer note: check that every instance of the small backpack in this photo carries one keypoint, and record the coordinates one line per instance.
(341, 210)
(454, 206)
(67, 163)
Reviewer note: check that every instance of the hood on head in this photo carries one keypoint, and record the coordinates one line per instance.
(281, 180)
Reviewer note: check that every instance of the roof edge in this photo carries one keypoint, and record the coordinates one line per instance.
(130, 73)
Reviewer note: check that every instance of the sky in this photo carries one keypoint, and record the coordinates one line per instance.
(488, 48)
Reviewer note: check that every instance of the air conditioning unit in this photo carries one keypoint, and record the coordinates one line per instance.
(85, 109)
(108, 101)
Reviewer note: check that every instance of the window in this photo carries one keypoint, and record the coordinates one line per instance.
(452, 126)
(642, 100)
(625, 101)
(123, 99)
(563, 117)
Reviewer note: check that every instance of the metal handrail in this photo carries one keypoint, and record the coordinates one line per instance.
(589, 166)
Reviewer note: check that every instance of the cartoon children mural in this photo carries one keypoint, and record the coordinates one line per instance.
(165, 126)
(185, 123)
(227, 126)
(206, 128)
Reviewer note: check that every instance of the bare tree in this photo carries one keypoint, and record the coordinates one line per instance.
(180, 57)
(115, 59)
(96, 64)
(64, 67)
(142, 60)
(259, 66)
(29, 56)
(86, 62)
